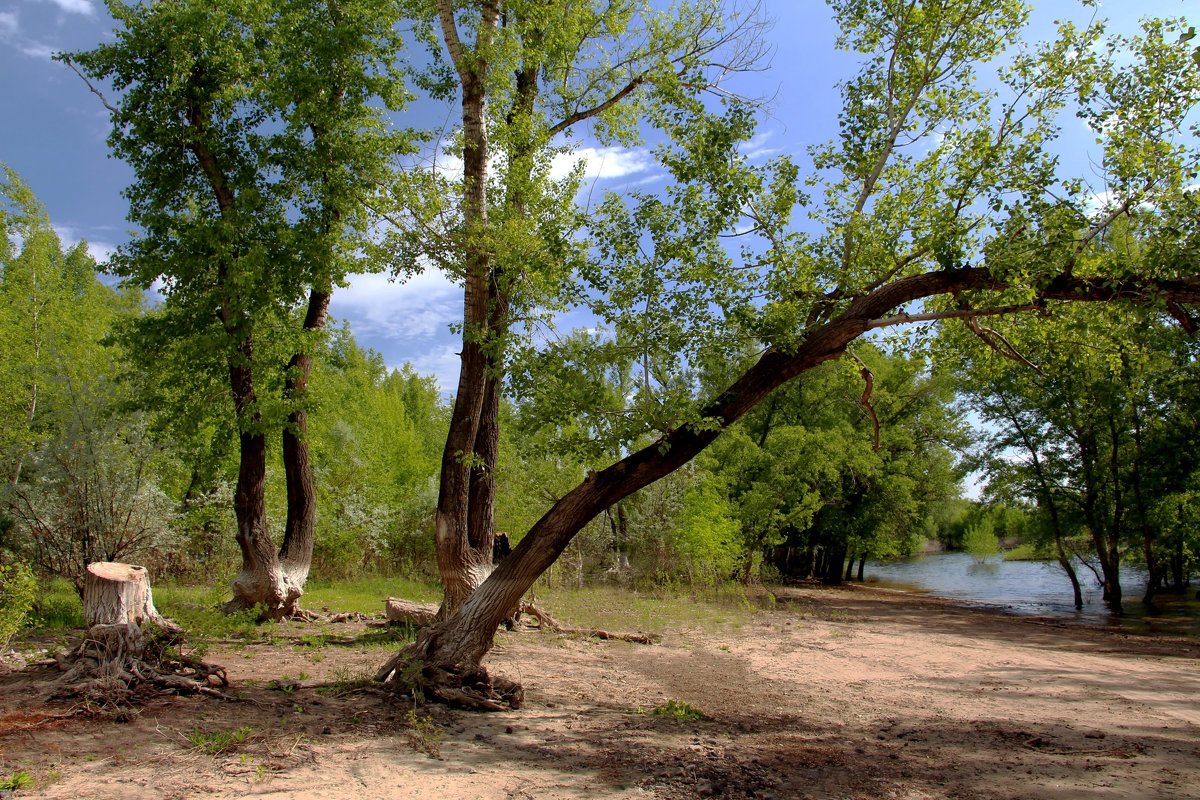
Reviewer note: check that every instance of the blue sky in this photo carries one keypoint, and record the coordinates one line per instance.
(52, 132)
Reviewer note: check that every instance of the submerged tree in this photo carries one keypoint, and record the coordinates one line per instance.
(1093, 434)
(937, 191)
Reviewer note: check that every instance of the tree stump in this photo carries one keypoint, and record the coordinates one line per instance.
(129, 645)
(119, 594)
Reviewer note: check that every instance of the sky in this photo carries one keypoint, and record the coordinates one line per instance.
(53, 130)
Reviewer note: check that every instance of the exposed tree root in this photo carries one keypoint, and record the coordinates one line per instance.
(115, 665)
(549, 623)
(298, 614)
(418, 670)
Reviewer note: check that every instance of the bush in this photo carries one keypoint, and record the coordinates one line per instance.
(17, 590)
(981, 541)
(89, 493)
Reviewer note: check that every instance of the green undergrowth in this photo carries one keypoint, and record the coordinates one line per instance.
(609, 607)
(1028, 552)
(366, 594)
(55, 607)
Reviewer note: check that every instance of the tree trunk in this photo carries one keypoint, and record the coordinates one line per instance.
(463, 564)
(295, 554)
(836, 556)
(119, 594)
(1064, 561)
(862, 566)
(262, 581)
(1177, 562)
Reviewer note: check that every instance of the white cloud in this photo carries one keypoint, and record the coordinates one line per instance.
(37, 50)
(8, 23)
(70, 236)
(418, 310)
(441, 361)
(757, 146)
(75, 6)
(603, 162)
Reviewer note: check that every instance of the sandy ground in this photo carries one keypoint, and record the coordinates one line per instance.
(831, 694)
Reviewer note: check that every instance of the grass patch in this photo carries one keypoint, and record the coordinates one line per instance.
(1028, 552)
(345, 680)
(677, 709)
(216, 742)
(16, 781)
(197, 609)
(424, 735)
(57, 607)
(366, 594)
(614, 608)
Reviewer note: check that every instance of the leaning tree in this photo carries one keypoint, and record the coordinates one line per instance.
(939, 200)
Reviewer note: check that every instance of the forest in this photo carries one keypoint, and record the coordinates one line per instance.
(924, 330)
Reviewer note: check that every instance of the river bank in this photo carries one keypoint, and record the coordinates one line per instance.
(827, 694)
(1037, 588)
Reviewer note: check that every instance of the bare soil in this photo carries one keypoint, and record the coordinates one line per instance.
(830, 694)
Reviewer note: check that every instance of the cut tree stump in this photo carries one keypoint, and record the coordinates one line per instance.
(119, 594)
(129, 647)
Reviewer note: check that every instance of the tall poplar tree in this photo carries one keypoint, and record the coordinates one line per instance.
(255, 132)
(529, 74)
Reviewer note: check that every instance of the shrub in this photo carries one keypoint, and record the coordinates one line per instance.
(17, 590)
(980, 540)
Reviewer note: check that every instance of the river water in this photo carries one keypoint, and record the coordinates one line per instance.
(1035, 588)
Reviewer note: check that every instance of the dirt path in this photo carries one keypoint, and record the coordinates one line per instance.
(832, 694)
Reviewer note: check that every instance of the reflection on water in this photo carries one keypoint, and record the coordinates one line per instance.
(1034, 587)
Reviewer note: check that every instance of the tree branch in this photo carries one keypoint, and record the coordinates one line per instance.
(963, 313)
(66, 59)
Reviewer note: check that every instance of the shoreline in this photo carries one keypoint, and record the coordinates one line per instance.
(830, 693)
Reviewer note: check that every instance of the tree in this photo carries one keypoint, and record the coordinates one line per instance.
(91, 493)
(1083, 433)
(970, 218)
(526, 73)
(53, 314)
(255, 132)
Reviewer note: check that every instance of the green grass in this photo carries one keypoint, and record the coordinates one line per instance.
(16, 781)
(614, 608)
(1028, 552)
(366, 594)
(677, 709)
(216, 742)
(56, 607)
(608, 607)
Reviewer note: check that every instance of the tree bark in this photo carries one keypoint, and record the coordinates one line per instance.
(295, 554)
(463, 564)
(262, 580)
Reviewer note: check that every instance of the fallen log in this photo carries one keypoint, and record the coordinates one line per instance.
(418, 614)
(548, 623)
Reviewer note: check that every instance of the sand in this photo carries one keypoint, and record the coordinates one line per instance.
(829, 694)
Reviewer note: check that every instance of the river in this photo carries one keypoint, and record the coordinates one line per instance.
(1036, 588)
